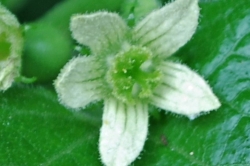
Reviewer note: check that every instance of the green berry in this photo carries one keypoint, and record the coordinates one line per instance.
(46, 50)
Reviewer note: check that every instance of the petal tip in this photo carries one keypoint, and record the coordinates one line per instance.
(214, 106)
(161, 26)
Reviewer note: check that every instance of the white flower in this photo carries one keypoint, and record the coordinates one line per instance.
(129, 69)
(11, 43)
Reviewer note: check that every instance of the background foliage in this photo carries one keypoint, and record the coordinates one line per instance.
(36, 130)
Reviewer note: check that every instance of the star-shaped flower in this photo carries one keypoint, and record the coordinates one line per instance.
(11, 43)
(129, 69)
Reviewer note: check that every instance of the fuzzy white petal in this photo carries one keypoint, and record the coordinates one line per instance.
(103, 32)
(7, 74)
(123, 132)
(183, 91)
(10, 55)
(80, 82)
(165, 30)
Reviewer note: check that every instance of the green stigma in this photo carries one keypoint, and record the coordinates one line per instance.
(133, 75)
(4, 47)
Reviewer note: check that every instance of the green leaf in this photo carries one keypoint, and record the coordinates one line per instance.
(36, 130)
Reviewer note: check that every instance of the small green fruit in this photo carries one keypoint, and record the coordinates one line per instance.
(46, 51)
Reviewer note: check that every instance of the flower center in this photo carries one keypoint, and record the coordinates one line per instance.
(4, 47)
(133, 75)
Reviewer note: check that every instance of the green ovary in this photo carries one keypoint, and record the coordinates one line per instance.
(133, 75)
(4, 47)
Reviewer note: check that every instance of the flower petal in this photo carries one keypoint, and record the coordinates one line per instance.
(80, 82)
(103, 32)
(123, 132)
(168, 29)
(8, 73)
(183, 92)
(11, 46)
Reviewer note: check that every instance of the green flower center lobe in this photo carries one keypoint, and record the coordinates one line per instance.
(133, 75)
(4, 47)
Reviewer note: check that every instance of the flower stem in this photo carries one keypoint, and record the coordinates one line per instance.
(134, 10)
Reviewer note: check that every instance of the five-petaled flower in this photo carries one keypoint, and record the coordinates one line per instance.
(129, 69)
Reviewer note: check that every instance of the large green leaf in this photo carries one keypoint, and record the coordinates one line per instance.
(36, 130)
